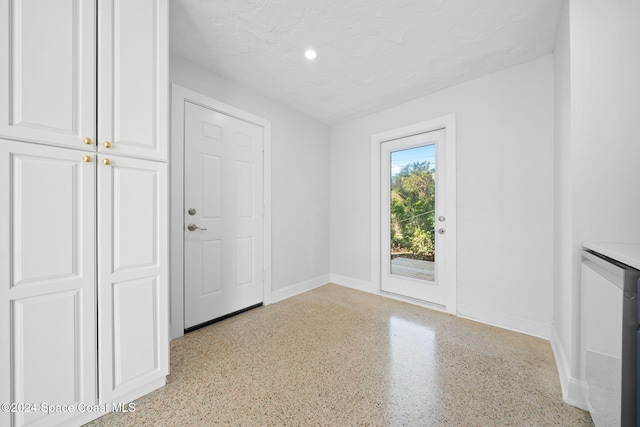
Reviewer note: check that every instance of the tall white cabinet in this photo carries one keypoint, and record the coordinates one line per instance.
(83, 206)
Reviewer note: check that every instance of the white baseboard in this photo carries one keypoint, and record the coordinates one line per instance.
(571, 387)
(299, 288)
(350, 282)
(505, 321)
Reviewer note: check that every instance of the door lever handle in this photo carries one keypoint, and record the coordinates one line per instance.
(193, 227)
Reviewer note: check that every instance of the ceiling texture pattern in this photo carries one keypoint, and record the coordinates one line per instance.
(372, 54)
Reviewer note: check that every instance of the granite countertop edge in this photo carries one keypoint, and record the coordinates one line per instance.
(626, 253)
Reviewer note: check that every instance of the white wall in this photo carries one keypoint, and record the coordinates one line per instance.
(605, 93)
(599, 145)
(564, 321)
(505, 193)
(300, 185)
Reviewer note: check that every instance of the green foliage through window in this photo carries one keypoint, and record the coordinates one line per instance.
(413, 211)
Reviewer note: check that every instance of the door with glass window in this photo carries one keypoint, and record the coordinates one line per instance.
(413, 217)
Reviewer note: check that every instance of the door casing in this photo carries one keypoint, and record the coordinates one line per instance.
(448, 124)
(396, 283)
(180, 95)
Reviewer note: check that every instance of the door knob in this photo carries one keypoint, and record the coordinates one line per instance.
(192, 211)
(193, 227)
(441, 230)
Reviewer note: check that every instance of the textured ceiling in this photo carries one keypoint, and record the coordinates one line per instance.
(372, 54)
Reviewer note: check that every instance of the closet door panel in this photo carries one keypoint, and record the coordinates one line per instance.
(47, 286)
(135, 302)
(46, 368)
(48, 71)
(133, 80)
(133, 288)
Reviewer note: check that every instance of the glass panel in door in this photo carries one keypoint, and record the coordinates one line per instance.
(412, 212)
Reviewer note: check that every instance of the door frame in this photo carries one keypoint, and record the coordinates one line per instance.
(180, 95)
(448, 123)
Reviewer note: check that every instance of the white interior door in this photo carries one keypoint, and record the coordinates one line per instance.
(413, 217)
(223, 265)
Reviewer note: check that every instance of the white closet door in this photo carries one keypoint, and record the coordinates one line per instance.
(47, 285)
(133, 78)
(132, 263)
(48, 71)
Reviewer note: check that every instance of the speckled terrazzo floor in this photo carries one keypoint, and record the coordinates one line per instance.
(338, 357)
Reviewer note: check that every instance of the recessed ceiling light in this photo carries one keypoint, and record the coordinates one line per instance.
(310, 54)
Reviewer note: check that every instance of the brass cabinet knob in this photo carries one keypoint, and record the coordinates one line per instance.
(106, 144)
(87, 141)
(87, 159)
(106, 162)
